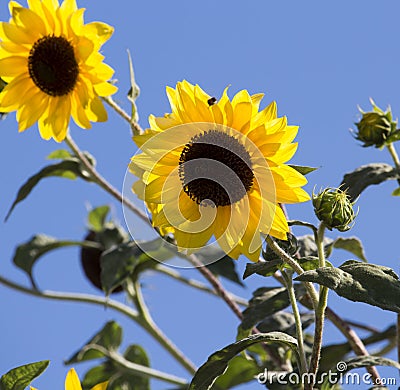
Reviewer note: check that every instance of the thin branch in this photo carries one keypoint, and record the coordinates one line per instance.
(135, 127)
(218, 287)
(103, 183)
(196, 284)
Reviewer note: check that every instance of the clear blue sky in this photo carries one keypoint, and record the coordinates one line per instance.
(317, 60)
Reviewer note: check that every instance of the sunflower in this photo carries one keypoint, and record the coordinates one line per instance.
(51, 62)
(217, 168)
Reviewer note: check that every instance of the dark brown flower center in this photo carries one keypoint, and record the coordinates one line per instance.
(215, 168)
(52, 65)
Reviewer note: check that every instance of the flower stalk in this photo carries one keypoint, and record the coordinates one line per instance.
(322, 304)
(299, 329)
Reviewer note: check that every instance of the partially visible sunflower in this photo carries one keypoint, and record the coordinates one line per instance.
(217, 167)
(51, 62)
(72, 382)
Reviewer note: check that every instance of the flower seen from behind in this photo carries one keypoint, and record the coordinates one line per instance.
(52, 64)
(217, 168)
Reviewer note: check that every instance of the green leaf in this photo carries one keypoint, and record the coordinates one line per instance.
(393, 137)
(310, 262)
(396, 192)
(97, 218)
(303, 170)
(98, 374)
(218, 362)
(263, 268)
(357, 181)
(360, 282)
(20, 377)
(109, 337)
(117, 264)
(120, 261)
(308, 248)
(267, 301)
(28, 253)
(283, 321)
(134, 90)
(60, 154)
(69, 168)
(240, 370)
(225, 266)
(352, 245)
(290, 246)
(125, 381)
(118, 377)
(367, 361)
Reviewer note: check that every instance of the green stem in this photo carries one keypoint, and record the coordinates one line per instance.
(106, 302)
(395, 157)
(302, 223)
(320, 312)
(104, 184)
(135, 127)
(396, 160)
(296, 267)
(398, 337)
(297, 318)
(138, 369)
(74, 297)
(196, 284)
(148, 323)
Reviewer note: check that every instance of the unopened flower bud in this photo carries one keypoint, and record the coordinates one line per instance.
(375, 126)
(334, 208)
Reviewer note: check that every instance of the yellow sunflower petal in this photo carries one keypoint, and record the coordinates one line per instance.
(29, 20)
(15, 34)
(72, 381)
(96, 111)
(105, 89)
(102, 31)
(27, 116)
(13, 66)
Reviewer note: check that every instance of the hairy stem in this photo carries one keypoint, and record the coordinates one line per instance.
(218, 287)
(297, 318)
(196, 284)
(138, 369)
(320, 312)
(148, 323)
(296, 267)
(135, 127)
(103, 183)
(355, 342)
(395, 157)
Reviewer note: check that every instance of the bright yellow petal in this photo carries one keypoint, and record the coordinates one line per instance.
(28, 19)
(101, 386)
(96, 111)
(102, 31)
(105, 89)
(16, 34)
(27, 115)
(13, 66)
(72, 381)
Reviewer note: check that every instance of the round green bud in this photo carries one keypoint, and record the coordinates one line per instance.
(333, 207)
(375, 126)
